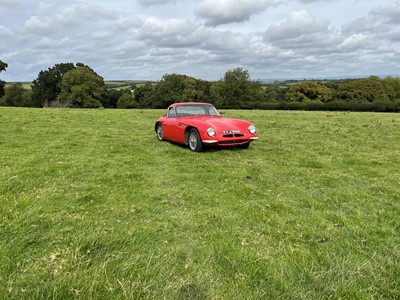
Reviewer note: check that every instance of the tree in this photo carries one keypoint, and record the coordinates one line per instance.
(111, 97)
(273, 93)
(217, 93)
(236, 90)
(127, 101)
(362, 90)
(392, 86)
(46, 87)
(16, 95)
(175, 88)
(307, 91)
(81, 87)
(3, 67)
(145, 96)
(203, 91)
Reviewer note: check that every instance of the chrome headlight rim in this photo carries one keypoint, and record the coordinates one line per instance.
(252, 129)
(211, 132)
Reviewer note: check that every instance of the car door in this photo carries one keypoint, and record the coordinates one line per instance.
(169, 125)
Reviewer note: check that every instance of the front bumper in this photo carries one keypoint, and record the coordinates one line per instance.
(230, 141)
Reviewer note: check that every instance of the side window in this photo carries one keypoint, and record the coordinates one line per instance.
(171, 113)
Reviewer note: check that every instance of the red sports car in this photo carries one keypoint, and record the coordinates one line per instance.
(199, 124)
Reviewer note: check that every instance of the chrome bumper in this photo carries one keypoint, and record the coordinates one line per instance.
(253, 138)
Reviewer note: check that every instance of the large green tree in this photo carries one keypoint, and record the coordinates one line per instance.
(175, 88)
(111, 97)
(364, 90)
(236, 90)
(145, 95)
(273, 93)
(46, 87)
(392, 86)
(82, 87)
(16, 95)
(203, 90)
(3, 67)
(307, 91)
(127, 101)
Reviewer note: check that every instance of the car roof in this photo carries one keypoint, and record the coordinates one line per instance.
(189, 103)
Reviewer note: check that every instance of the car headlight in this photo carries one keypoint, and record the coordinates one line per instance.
(252, 129)
(211, 132)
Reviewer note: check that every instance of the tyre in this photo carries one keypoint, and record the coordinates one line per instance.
(160, 134)
(195, 143)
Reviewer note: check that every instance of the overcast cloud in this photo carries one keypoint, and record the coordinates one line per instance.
(145, 39)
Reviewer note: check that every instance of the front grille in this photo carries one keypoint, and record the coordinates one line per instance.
(233, 135)
(232, 142)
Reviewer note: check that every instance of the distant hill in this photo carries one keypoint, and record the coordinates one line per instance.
(283, 79)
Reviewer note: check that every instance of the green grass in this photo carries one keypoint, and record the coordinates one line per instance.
(114, 84)
(94, 207)
(123, 84)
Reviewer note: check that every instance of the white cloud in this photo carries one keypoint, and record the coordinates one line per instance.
(299, 23)
(170, 33)
(48, 43)
(175, 33)
(231, 11)
(102, 34)
(302, 34)
(155, 2)
(68, 17)
(389, 14)
(313, 1)
(353, 42)
(127, 23)
(381, 23)
(365, 24)
(84, 12)
(5, 31)
(11, 3)
(36, 24)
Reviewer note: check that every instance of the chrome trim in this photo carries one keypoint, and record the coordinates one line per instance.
(209, 141)
(254, 138)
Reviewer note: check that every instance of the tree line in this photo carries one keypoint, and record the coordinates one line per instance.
(79, 86)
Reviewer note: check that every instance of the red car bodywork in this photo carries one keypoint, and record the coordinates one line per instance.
(181, 122)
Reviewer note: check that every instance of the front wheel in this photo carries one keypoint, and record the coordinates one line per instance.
(195, 143)
(160, 134)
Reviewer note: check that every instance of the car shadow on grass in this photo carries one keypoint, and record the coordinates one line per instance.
(208, 148)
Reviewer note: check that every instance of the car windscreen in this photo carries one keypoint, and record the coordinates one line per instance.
(196, 110)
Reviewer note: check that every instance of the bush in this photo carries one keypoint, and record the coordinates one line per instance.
(16, 95)
(127, 101)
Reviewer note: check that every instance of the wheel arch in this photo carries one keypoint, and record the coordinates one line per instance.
(187, 131)
(156, 125)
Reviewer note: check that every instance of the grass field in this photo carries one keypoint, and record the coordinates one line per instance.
(94, 207)
(26, 85)
(114, 84)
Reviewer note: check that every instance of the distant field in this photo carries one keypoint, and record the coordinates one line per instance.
(124, 84)
(114, 84)
(26, 85)
(94, 207)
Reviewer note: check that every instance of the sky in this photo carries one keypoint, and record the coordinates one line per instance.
(146, 39)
